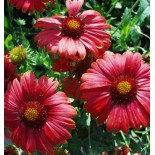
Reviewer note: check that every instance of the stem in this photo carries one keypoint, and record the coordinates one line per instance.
(123, 136)
(148, 140)
(126, 16)
(9, 14)
(112, 7)
(89, 138)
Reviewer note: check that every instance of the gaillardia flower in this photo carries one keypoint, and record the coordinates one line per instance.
(35, 111)
(71, 84)
(71, 35)
(29, 5)
(117, 90)
(9, 71)
(18, 54)
(123, 151)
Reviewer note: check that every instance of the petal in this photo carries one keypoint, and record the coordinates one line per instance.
(132, 63)
(26, 5)
(91, 19)
(62, 46)
(28, 84)
(143, 72)
(70, 47)
(80, 49)
(97, 107)
(56, 98)
(97, 41)
(65, 122)
(17, 134)
(144, 101)
(133, 120)
(14, 97)
(47, 23)
(47, 87)
(98, 81)
(47, 36)
(105, 112)
(74, 6)
(118, 119)
(63, 110)
(30, 140)
(89, 12)
(90, 45)
(112, 118)
(125, 119)
(45, 144)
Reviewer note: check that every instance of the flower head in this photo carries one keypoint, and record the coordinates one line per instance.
(117, 91)
(29, 5)
(35, 111)
(9, 71)
(123, 151)
(75, 34)
(18, 54)
(147, 58)
(71, 84)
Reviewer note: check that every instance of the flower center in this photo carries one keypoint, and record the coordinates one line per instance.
(72, 27)
(124, 87)
(73, 24)
(18, 54)
(82, 66)
(33, 114)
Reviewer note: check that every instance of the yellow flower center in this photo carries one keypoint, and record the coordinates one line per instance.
(72, 27)
(124, 87)
(73, 24)
(31, 114)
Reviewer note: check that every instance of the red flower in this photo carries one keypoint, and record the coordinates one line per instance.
(117, 90)
(9, 71)
(62, 64)
(29, 5)
(52, 2)
(71, 84)
(72, 35)
(123, 151)
(37, 113)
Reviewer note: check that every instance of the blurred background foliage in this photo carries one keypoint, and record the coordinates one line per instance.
(130, 21)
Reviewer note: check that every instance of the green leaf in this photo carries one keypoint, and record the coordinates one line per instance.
(87, 4)
(20, 22)
(142, 13)
(7, 41)
(6, 24)
(88, 120)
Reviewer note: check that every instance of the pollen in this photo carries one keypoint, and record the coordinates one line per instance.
(31, 114)
(72, 27)
(73, 24)
(124, 87)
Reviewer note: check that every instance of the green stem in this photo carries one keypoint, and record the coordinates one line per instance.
(123, 136)
(126, 16)
(9, 14)
(112, 7)
(89, 137)
(148, 138)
